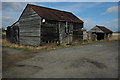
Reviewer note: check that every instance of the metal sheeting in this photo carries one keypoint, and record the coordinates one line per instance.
(104, 29)
(54, 14)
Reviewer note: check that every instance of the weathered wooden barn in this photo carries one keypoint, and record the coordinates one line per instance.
(40, 25)
(99, 33)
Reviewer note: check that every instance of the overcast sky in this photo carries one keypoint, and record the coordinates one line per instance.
(92, 13)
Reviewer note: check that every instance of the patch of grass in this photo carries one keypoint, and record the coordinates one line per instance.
(5, 43)
(98, 41)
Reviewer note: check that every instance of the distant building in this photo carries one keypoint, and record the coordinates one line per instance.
(40, 25)
(99, 33)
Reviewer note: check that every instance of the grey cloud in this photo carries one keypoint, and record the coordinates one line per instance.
(7, 21)
(11, 12)
(7, 18)
(14, 6)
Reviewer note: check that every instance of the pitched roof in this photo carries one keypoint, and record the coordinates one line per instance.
(54, 14)
(104, 29)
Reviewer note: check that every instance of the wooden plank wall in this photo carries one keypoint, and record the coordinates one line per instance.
(62, 35)
(65, 32)
(77, 32)
(12, 34)
(49, 32)
(29, 28)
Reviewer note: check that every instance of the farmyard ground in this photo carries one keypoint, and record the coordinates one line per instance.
(97, 60)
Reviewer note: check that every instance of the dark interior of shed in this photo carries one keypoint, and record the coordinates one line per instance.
(100, 36)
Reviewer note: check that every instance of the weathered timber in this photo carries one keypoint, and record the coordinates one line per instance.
(30, 26)
(39, 26)
(49, 32)
(30, 40)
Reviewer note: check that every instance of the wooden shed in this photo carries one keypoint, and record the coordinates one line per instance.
(12, 33)
(40, 25)
(99, 33)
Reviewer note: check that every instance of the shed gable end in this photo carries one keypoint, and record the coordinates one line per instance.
(30, 23)
(28, 13)
(96, 29)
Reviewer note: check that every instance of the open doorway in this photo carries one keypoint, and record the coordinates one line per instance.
(100, 36)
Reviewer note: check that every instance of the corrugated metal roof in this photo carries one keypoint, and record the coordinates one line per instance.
(104, 29)
(54, 14)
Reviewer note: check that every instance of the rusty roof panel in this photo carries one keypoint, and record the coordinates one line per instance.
(54, 14)
(104, 29)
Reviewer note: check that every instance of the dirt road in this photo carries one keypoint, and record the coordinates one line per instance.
(98, 60)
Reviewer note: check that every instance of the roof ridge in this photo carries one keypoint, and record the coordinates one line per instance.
(54, 14)
(107, 30)
(49, 8)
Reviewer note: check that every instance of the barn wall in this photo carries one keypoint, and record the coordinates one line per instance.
(70, 32)
(77, 32)
(59, 32)
(56, 32)
(29, 28)
(62, 34)
(49, 32)
(65, 32)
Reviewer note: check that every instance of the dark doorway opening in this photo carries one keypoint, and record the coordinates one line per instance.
(49, 34)
(100, 36)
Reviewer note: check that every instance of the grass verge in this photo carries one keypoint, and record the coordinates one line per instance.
(5, 43)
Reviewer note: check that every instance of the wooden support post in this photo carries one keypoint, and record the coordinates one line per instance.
(67, 33)
(60, 37)
(105, 36)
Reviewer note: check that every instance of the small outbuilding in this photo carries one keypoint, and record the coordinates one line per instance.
(99, 33)
(12, 33)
